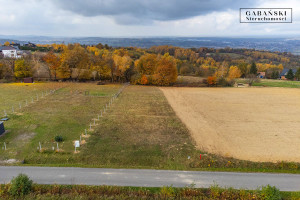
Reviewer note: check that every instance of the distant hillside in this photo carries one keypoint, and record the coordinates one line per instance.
(271, 44)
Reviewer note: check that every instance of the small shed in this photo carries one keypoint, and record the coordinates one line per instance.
(261, 74)
(28, 80)
(2, 129)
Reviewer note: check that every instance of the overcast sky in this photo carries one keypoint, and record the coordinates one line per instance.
(129, 18)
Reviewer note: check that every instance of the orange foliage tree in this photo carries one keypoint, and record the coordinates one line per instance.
(234, 72)
(166, 71)
(53, 62)
(211, 80)
(144, 80)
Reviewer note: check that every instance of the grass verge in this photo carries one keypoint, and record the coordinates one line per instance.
(166, 192)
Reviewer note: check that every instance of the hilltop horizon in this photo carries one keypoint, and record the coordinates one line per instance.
(283, 44)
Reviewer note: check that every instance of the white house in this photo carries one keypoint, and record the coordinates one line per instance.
(10, 52)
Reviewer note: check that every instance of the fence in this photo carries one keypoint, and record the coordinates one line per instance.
(46, 146)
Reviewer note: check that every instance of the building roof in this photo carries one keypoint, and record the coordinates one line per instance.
(6, 48)
(285, 71)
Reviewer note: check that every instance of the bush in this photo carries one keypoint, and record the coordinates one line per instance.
(251, 78)
(211, 81)
(59, 138)
(167, 191)
(225, 83)
(270, 193)
(20, 185)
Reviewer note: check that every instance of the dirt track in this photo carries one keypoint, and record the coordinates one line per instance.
(258, 124)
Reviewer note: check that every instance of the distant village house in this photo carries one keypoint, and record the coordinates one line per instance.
(284, 72)
(10, 52)
(261, 75)
(29, 44)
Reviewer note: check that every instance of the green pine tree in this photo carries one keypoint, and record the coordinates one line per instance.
(253, 69)
(297, 75)
(290, 74)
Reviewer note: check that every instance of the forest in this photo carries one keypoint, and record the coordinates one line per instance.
(158, 65)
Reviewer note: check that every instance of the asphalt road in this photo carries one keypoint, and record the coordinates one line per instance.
(150, 178)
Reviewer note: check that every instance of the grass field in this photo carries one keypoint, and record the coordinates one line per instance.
(140, 130)
(11, 95)
(67, 112)
(278, 83)
(273, 83)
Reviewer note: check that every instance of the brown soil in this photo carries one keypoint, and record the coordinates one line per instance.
(257, 124)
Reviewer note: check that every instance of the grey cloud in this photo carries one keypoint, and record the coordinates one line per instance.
(146, 11)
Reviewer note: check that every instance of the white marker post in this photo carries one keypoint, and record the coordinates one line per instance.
(77, 144)
(4, 146)
(40, 146)
(57, 146)
(90, 126)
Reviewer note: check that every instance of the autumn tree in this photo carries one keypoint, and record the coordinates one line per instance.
(100, 69)
(145, 68)
(147, 64)
(37, 64)
(243, 67)
(5, 70)
(75, 62)
(100, 46)
(166, 71)
(6, 43)
(234, 73)
(275, 74)
(122, 62)
(222, 71)
(64, 71)
(108, 58)
(53, 62)
(1, 71)
(22, 69)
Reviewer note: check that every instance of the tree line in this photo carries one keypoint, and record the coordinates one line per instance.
(158, 65)
(81, 63)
